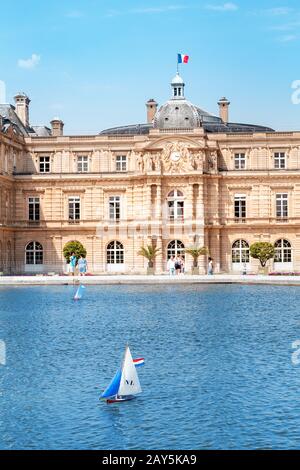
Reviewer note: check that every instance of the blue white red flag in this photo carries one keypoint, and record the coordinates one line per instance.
(139, 362)
(182, 58)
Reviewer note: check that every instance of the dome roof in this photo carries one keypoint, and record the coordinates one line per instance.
(181, 114)
(177, 80)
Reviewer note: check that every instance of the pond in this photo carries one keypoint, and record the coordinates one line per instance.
(218, 371)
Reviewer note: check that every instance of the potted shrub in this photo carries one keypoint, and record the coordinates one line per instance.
(196, 252)
(74, 247)
(149, 252)
(263, 251)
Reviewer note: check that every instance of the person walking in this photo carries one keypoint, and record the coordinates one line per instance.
(182, 265)
(171, 266)
(82, 266)
(210, 269)
(72, 264)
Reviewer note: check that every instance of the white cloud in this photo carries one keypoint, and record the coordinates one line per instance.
(158, 9)
(74, 14)
(279, 11)
(224, 7)
(288, 38)
(29, 63)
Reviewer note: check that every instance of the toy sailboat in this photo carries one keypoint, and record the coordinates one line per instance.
(79, 292)
(125, 385)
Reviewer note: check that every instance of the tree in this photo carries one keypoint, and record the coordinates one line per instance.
(263, 251)
(74, 247)
(149, 252)
(196, 252)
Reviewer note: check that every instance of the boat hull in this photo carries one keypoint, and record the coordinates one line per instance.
(119, 399)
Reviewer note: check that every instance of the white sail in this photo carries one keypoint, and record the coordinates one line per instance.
(130, 384)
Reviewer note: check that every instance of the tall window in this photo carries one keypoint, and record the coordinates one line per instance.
(82, 164)
(281, 206)
(34, 209)
(239, 161)
(279, 160)
(114, 208)
(74, 209)
(240, 252)
(175, 247)
(121, 163)
(175, 205)
(44, 164)
(240, 207)
(283, 251)
(115, 253)
(34, 253)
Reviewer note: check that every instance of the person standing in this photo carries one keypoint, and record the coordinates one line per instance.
(72, 263)
(171, 266)
(210, 269)
(177, 264)
(82, 266)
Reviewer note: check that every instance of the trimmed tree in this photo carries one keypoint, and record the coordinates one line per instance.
(263, 251)
(150, 253)
(74, 247)
(195, 253)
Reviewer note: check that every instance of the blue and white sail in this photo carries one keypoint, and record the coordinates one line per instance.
(79, 292)
(126, 381)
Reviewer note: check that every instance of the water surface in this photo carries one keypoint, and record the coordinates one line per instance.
(218, 370)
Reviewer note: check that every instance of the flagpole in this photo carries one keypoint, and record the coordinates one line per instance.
(177, 65)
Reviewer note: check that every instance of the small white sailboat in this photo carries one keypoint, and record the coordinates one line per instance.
(125, 385)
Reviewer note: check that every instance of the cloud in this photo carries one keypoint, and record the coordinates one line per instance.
(74, 14)
(224, 7)
(158, 9)
(30, 63)
(279, 11)
(288, 38)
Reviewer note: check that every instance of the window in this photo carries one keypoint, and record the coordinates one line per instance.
(34, 253)
(279, 160)
(175, 205)
(114, 207)
(44, 164)
(74, 209)
(175, 247)
(283, 251)
(115, 253)
(281, 206)
(34, 209)
(121, 163)
(240, 252)
(240, 207)
(82, 164)
(239, 161)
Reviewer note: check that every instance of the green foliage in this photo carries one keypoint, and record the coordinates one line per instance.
(196, 252)
(263, 251)
(149, 252)
(74, 247)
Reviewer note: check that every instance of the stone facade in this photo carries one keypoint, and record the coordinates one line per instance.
(174, 188)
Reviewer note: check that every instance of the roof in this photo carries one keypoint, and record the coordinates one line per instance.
(10, 118)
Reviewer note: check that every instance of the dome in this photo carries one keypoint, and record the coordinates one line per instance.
(178, 113)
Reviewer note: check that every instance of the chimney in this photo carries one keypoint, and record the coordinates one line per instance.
(22, 108)
(224, 109)
(151, 106)
(57, 127)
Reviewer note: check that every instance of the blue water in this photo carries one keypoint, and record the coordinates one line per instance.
(218, 370)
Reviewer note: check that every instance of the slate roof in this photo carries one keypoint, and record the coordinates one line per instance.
(10, 118)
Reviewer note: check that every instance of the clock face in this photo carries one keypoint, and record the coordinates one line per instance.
(175, 156)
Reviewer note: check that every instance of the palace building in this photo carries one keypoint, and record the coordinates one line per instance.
(184, 178)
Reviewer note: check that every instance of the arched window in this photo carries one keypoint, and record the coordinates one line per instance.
(175, 247)
(115, 253)
(34, 253)
(283, 251)
(175, 205)
(240, 252)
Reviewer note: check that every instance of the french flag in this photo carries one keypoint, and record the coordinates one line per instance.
(139, 362)
(182, 59)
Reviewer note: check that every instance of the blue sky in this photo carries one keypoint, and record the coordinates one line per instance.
(95, 63)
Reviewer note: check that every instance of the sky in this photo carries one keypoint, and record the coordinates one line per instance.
(95, 63)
